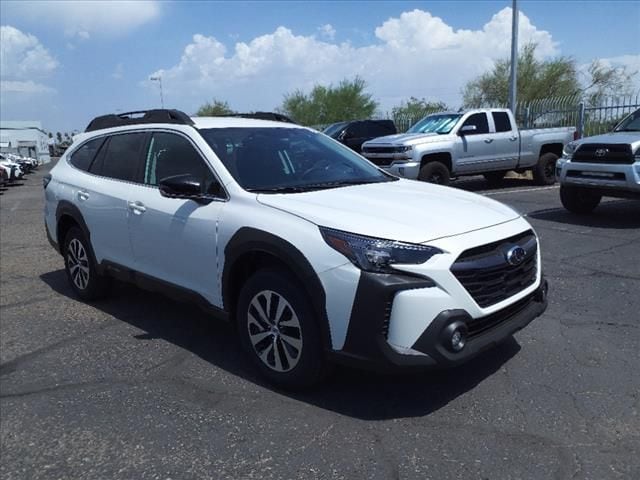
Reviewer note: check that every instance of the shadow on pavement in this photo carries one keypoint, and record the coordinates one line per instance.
(347, 391)
(623, 214)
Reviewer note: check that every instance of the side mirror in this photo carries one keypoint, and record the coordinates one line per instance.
(467, 129)
(184, 186)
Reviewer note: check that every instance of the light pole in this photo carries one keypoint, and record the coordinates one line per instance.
(513, 80)
(159, 80)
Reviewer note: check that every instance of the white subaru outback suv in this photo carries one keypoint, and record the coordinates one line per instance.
(316, 254)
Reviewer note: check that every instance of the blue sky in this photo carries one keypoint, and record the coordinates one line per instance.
(65, 62)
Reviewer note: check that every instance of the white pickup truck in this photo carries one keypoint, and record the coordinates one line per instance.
(482, 141)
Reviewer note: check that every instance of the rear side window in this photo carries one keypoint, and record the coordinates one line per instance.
(84, 155)
(480, 121)
(502, 122)
(120, 157)
(380, 129)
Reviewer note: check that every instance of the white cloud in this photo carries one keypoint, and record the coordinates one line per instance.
(414, 54)
(82, 19)
(327, 31)
(118, 73)
(22, 55)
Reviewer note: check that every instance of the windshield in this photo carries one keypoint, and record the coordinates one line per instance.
(439, 123)
(630, 124)
(333, 129)
(283, 160)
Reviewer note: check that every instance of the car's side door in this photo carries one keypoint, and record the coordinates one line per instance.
(505, 142)
(175, 239)
(474, 147)
(355, 135)
(101, 196)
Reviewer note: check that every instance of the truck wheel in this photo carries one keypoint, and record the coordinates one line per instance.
(494, 178)
(279, 330)
(579, 200)
(544, 173)
(435, 172)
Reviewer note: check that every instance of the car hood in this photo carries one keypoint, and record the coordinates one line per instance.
(632, 138)
(401, 139)
(403, 210)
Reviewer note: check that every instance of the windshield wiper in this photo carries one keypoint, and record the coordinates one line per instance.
(278, 190)
(627, 130)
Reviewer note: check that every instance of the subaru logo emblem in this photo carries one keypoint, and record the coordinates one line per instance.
(515, 256)
(601, 152)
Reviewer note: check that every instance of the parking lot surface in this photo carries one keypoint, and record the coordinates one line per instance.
(141, 387)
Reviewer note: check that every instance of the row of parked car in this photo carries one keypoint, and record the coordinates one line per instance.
(445, 145)
(13, 167)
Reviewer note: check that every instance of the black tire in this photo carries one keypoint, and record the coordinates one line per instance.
(494, 178)
(435, 172)
(80, 265)
(544, 173)
(579, 200)
(300, 361)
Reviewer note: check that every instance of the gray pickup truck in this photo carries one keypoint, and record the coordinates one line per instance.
(603, 165)
(482, 141)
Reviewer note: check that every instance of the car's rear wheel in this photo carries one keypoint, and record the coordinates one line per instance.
(279, 330)
(435, 172)
(81, 269)
(579, 200)
(544, 173)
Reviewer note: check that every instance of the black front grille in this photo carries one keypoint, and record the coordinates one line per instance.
(381, 162)
(598, 175)
(485, 273)
(379, 149)
(603, 153)
(480, 325)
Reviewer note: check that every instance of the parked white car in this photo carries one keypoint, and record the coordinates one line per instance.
(602, 165)
(481, 141)
(317, 255)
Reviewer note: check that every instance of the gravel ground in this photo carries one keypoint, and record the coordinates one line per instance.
(142, 387)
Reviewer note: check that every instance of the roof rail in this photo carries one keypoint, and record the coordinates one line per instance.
(276, 117)
(139, 117)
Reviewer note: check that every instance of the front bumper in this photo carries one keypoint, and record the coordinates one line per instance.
(607, 178)
(367, 343)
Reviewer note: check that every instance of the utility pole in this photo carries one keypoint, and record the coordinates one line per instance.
(513, 80)
(159, 80)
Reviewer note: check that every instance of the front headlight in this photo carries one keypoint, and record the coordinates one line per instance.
(403, 149)
(569, 149)
(376, 254)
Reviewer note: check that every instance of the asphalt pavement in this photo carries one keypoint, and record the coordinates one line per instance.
(142, 387)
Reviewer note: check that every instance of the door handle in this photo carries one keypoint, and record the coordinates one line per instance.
(83, 195)
(488, 140)
(137, 207)
(513, 139)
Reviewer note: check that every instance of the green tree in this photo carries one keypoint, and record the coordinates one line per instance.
(556, 77)
(327, 104)
(213, 108)
(59, 137)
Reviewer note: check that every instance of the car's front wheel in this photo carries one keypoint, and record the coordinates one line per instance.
(579, 200)
(279, 330)
(81, 269)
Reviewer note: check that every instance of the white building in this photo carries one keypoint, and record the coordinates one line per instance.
(25, 138)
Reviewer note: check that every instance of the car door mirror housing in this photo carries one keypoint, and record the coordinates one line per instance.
(467, 129)
(184, 186)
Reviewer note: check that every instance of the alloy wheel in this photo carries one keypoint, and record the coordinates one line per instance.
(274, 331)
(78, 264)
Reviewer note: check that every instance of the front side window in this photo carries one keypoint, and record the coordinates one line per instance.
(84, 155)
(170, 155)
(480, 122)
(630, 124)
(288, 159)
(120, 157)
